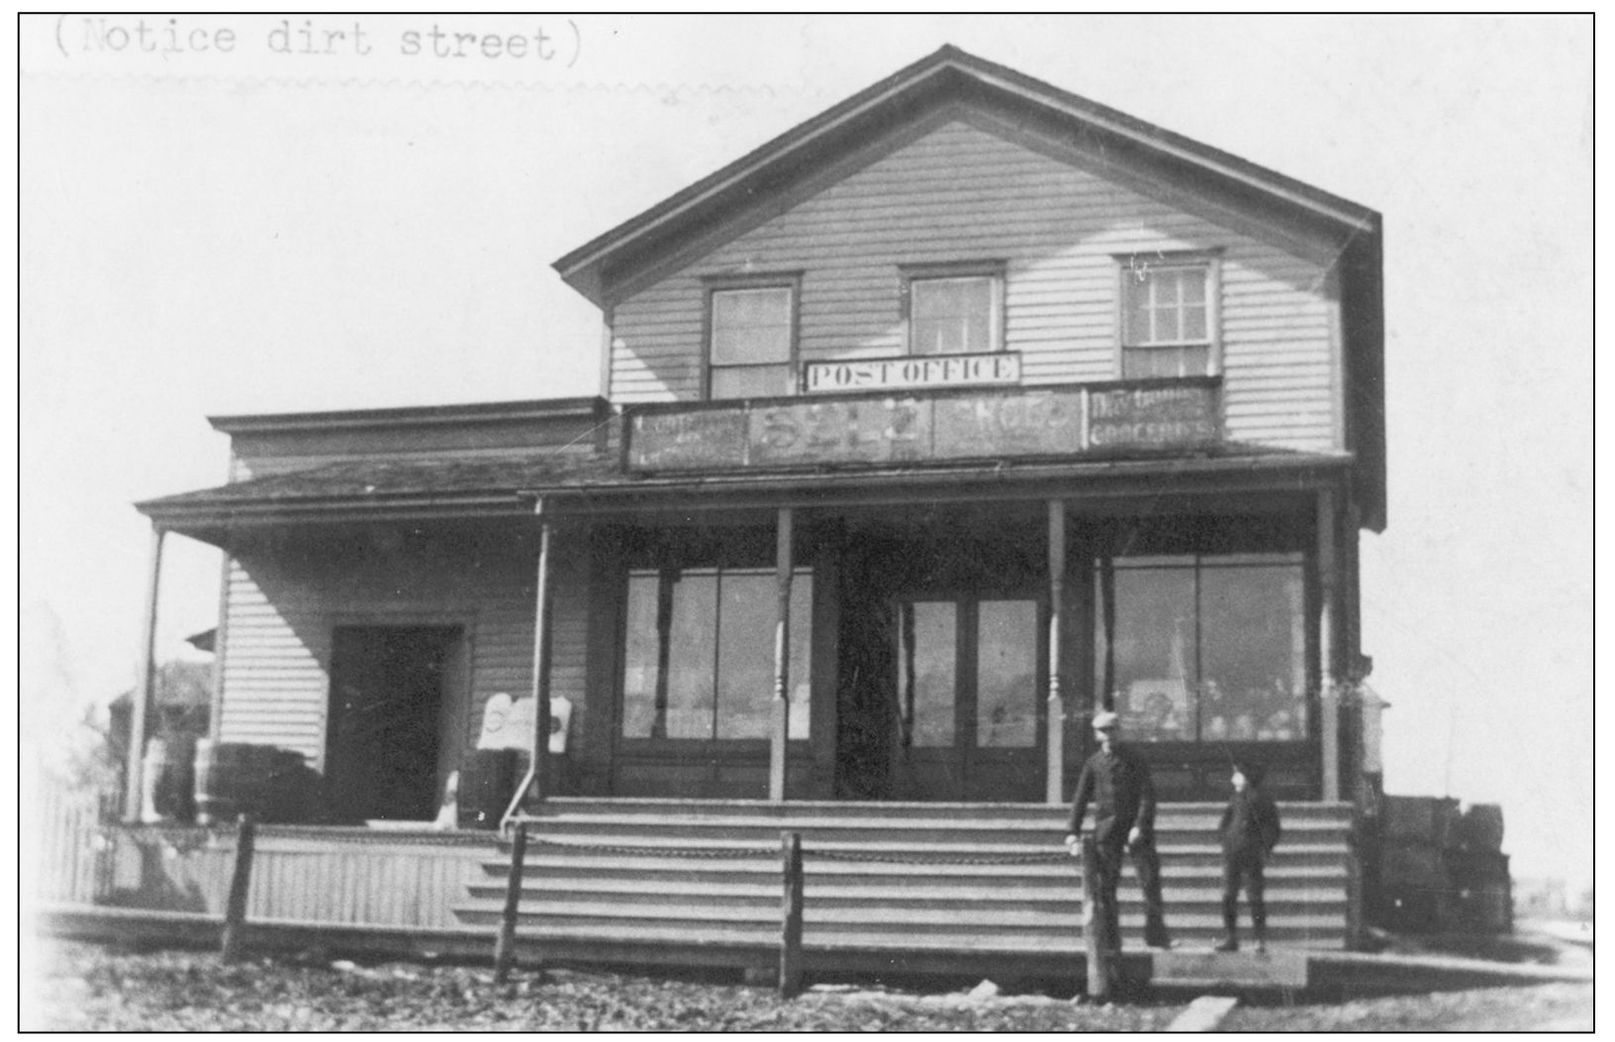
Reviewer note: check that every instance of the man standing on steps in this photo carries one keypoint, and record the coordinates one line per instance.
(1118, 781)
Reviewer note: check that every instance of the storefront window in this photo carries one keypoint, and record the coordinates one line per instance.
(699, 653)
(1208, 648)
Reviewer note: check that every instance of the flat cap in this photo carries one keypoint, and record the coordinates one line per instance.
(1104, 720)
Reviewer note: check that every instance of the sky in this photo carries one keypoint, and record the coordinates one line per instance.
(211, 226)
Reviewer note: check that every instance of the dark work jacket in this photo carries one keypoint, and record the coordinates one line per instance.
(1250, 824)
(1119, 785)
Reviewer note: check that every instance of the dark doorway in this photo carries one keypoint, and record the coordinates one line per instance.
(387, 712)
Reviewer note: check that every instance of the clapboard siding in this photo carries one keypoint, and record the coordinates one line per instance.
(283, 604)
(961, 193)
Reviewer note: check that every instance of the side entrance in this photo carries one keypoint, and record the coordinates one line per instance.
(393, 711)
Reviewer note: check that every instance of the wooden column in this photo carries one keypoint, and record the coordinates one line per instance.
(221, 638)
(141, 707)
(1054, 730)
(541, 656)
(1328, 595)
(782, 656)
(541, 681)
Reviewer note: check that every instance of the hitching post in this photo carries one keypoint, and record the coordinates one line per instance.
(504, 949)
(235, 906)
(1099, 954)
(790, 940)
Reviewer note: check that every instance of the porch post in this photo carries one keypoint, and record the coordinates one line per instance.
(782, 656)
(541, 680)
(1328, 590)
(144, 685)
(1054, 785)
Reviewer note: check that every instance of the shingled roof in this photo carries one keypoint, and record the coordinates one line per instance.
(458, 488)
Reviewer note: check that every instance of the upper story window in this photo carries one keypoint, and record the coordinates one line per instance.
(1169, 316)
(954, 309)
(751, 338)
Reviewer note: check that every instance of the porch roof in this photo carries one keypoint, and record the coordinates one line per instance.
(377, 489)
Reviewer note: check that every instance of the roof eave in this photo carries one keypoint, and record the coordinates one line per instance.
(410, 416)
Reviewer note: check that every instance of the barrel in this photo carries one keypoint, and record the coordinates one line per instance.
(486, 786)
(1426, 819)
(231, 779)
(166, 780)
(290, 793)
(1482, 827)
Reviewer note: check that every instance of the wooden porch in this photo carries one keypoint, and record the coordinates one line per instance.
(889, 887)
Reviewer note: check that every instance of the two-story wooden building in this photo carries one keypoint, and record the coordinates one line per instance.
(945, 417)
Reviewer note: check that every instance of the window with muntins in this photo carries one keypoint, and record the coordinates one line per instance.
(751, 341)
(954, 309)
(1203, 648)
(1168, 318)
(699, 653)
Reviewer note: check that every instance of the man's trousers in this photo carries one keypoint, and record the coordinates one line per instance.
(1243, 868)
(1147, 864)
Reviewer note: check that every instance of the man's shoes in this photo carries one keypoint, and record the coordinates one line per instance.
(1162, 943)
(1227, 944)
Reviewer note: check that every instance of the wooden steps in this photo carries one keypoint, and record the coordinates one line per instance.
(632, 878)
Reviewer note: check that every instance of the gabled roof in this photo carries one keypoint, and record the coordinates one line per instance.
(951, 83)
(947, 75)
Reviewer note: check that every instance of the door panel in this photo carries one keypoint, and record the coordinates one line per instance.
(1006, 675)
(969, 684)
(928, 696)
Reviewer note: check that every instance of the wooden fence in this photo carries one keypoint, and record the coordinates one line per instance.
(74, 861)
(337, 876)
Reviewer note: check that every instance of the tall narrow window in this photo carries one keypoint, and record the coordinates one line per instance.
(752, 334)
(954, 309)
(1168, 318)
(927, 657)
(699, 653)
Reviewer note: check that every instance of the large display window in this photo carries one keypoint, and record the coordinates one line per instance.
(1204, 647)
(699, 653)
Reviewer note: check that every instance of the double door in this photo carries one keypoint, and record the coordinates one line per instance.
(971, 685)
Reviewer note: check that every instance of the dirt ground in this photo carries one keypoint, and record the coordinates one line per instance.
(94, 988)
(98, 988)
(1542, 1007)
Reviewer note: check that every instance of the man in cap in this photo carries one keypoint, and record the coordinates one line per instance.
(1118, 781)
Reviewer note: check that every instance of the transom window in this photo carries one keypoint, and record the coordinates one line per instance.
(699, 657)
(1208, 648)
(752, 332)
(1168, 318)
(954, 311)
